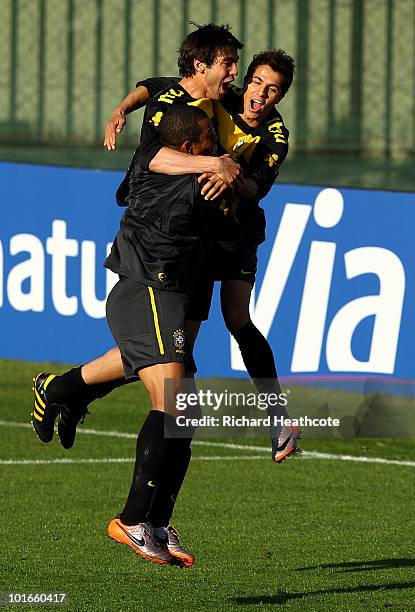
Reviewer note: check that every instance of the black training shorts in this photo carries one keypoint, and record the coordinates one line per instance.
(220, 264)
(148, 325)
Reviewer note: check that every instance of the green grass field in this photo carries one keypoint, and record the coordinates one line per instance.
(310, 534)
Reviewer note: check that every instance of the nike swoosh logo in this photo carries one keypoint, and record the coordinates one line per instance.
(136, 541)
(245, 272)
(151, 483)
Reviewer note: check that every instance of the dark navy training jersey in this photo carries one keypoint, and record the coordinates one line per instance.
(156, 84)
(160, 228)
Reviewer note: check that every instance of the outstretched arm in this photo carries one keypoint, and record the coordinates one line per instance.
(137, 98)
(134, 100)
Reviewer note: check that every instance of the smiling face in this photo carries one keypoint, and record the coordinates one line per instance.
(262, 93)
(221, 73)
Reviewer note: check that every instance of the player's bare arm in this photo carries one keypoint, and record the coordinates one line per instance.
(137, 98)
(224, 168)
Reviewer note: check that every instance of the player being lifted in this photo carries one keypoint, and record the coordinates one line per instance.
(247, 125)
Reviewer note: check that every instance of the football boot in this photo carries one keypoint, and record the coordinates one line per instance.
(44, 412)
(141, 539)
(286, 444)
(170, 540)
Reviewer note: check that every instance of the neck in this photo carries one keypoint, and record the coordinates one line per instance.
(194, 86)
(253, 123)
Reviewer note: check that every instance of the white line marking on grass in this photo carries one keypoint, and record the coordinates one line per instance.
(230, 445)
(93, 432)
(246, 447)
(13, 424)
(116, 460)
(64, 461)
(359, 458)
(227, 458)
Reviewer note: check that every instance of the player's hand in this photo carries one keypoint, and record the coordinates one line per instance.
(228, 169)
(114, 126)
(214, 186)
(219, 181)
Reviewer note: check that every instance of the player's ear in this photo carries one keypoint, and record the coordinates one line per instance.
(186, 147)
(199, 66)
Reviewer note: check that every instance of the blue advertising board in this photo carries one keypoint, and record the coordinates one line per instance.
(335, 291)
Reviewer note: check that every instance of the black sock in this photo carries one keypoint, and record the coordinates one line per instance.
(93, 392)
(150, 453)
(172, 475)
(259, 361)
(256, 352)
(67, 386)
(71, 385)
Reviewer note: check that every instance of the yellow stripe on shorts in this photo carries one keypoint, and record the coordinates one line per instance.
(156, 320)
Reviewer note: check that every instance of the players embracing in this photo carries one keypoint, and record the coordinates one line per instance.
(252, 131)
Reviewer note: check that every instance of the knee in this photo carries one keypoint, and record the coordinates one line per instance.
(235, 318)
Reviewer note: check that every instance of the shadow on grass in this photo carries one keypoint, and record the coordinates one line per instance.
(362, 566)
(283, 597)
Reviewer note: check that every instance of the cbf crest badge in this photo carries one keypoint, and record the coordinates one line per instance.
(179, 340)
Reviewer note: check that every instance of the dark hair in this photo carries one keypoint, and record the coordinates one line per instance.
(279, 61)
(181, 123)
(204, 44)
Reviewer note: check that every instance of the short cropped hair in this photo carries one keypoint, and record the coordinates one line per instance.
(278, 60)
(204, 44)
(181, 123)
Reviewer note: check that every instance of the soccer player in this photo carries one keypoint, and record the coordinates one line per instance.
(158, 233)
(146, 312)
(208, 59)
